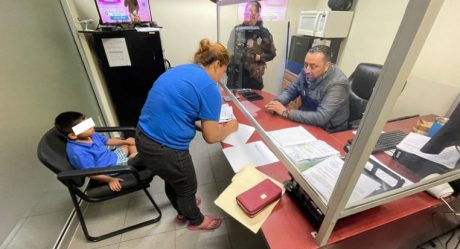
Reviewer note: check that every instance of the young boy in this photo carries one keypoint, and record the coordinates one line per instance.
(87, 149)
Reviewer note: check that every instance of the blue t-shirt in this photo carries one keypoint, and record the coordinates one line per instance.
(179, 97)
(90, 155)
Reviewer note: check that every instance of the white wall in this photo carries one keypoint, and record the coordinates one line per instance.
(433, 83)
(435, 79)
(373, 29)
(41, 75)
(185, 23)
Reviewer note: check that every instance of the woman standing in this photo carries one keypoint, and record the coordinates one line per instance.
(251, 46)
(183, 99)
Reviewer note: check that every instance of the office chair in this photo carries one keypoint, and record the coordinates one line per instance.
(362, 82)
(51, 152)
(288, 78)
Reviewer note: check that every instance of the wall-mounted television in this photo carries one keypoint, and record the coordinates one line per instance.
(123, 11)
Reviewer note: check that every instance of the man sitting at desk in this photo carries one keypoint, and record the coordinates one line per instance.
(323, 89)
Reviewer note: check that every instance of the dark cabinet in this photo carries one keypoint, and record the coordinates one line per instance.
(128, 86)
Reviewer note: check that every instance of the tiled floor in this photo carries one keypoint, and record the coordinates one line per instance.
(213, 173)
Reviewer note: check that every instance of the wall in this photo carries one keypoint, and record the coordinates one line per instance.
(434, 75)
(435, 79)
(41, 75)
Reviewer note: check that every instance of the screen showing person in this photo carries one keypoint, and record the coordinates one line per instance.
(123, 11)
(448, 135)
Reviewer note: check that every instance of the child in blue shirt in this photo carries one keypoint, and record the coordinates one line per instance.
(87, 149)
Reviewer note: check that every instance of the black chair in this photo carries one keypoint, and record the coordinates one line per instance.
(52, 153)
(362, 82)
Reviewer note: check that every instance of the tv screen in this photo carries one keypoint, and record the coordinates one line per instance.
(123, 11)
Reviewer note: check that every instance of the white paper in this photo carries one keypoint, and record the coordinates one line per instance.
(413, 142)
(255, 153)
(147, 29)
(226, 113)
(323, 177)
(241, 136)
(310, 151)
(116, 52)
(290, 136)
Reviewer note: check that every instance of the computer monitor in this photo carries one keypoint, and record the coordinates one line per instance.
(123, 11)
(447, 136)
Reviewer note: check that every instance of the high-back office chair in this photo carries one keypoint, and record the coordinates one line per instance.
(51, 152)
(288, 78)
(362, 82)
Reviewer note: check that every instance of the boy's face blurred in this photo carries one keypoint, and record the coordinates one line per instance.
(83, 135)
(86, 134)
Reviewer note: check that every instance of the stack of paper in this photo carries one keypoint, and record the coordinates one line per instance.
(255, 153)
(302, 147)
(290, 136)
(324, 175)
(307, 154)
(413, 142)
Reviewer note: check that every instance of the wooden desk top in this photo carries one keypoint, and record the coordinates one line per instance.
(287, 227)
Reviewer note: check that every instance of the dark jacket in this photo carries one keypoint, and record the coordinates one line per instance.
(244, 43)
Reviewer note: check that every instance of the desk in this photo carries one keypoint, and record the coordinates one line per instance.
(384, 226)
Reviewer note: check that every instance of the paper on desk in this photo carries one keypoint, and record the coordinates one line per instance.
(293, 135)
(116, 52)
(147, 29)
(323, 177)
(413, 142)
(310, 151)
(242, 181)
(255, 153)
(226, 113)
(241, 136)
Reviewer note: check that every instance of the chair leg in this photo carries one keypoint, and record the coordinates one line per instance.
(117, 232)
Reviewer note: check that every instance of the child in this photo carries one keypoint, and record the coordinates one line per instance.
(87, 148)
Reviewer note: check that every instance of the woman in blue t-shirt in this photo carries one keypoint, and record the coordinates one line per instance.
(182, 100)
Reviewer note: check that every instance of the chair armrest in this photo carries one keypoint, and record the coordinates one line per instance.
(78, 173)
(115, 128)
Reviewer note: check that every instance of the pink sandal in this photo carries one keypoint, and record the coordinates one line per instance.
(209, 223)
(183, 219)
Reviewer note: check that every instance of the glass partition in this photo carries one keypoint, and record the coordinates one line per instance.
(355, 175)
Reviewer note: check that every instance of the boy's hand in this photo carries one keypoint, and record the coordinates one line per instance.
(114, 184)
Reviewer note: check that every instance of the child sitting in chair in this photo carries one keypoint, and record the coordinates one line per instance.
(87, 149)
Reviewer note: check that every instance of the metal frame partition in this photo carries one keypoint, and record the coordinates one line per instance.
(413, 31)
